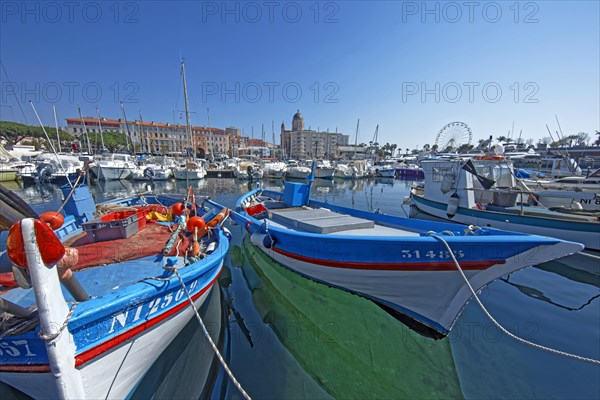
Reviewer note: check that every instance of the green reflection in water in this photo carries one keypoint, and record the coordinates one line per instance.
(347, 344)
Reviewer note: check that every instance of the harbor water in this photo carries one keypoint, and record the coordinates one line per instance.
(292, 338)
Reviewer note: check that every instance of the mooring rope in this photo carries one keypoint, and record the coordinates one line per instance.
(70, 193)
(589, 255)
(515, 337)
(212, 343)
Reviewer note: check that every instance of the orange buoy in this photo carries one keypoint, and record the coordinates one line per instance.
(54, 219)
(195, 222)
(51, 248)
(216, 220)
(178, 208)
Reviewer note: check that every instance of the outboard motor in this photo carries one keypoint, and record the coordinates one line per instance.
(149, 173)
(44, 172)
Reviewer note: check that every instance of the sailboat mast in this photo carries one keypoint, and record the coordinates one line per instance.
(273, 133)
(85, 131)
(212, 147)
(128, 137)
(356, 138)
(187, 110)
(100, 126)
(144, 137)
(57, 134)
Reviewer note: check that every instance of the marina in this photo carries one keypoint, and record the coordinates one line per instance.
(300, 200)
(262, 331)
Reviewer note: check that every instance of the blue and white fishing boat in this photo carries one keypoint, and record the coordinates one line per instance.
(484, 191)
(128, 281)
(399, 263)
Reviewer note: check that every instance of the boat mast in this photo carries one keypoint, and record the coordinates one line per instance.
(212, 147)
(144, 135)
(85, 131)
(273, 133)
(57, 134)
(128, 138)
(375, 144)
(187, 110)
(100, 126)
(356, 138)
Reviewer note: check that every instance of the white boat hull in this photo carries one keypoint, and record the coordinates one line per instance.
(507, 222)
(108, 173)
(115, 374)
(186, 174)
(435, 295)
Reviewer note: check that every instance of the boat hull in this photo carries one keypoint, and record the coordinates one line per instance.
(7, 175)
(102, 378)
(117, 339)
(108, 173)
(431, 294)
(185, 174)
(586, 233)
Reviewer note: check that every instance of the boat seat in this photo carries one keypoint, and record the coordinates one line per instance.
(318, 220)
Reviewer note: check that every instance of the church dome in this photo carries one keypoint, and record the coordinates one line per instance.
(298, 122)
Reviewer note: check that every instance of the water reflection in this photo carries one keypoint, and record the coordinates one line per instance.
(349, 346)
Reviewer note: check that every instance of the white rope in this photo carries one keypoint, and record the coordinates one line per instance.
(515, 337)
(70, 194)
(212, 344)
(589, 255)
(52, 336)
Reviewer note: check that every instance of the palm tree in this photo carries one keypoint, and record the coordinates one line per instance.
(502, 139)
(582, 139)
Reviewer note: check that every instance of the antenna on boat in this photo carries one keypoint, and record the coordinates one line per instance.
(57, 134)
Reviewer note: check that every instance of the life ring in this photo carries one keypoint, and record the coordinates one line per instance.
(214, 221)
(489, 157)
(149, 173)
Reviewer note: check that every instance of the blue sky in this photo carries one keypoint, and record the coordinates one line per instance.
(410, 67)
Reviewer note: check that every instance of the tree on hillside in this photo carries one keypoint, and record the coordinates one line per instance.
(15, 132)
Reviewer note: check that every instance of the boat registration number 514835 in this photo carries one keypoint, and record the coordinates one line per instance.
(431, 254)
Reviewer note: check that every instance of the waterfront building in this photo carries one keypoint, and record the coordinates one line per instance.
(300, 143)
(157, 136)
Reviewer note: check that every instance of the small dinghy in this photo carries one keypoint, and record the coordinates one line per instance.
(129, 272)
(407, 266)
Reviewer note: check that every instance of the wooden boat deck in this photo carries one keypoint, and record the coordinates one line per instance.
(324, 221)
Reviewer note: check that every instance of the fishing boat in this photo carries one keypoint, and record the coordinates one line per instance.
(128, 275)
(484, 191)
(402, 264)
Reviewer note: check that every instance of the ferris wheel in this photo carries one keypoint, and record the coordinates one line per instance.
(453, 135)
